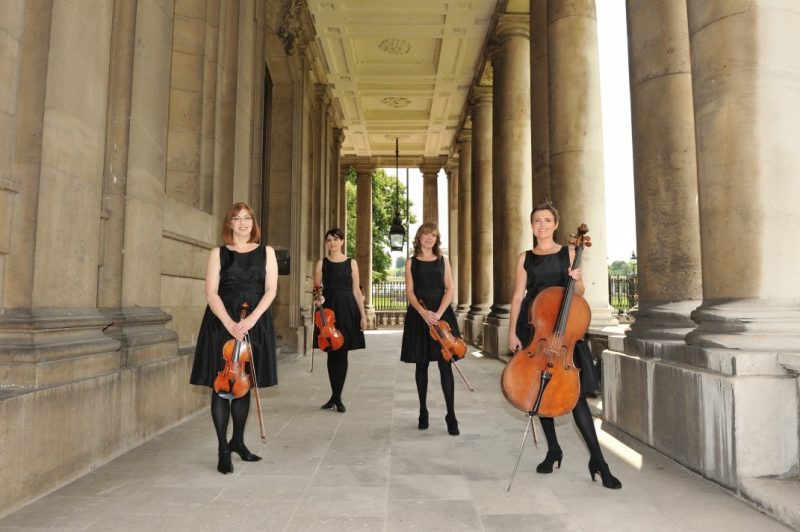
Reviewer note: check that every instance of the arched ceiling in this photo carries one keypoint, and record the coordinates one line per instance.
(401, 68)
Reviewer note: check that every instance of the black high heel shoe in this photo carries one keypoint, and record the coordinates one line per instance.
(224, 465)
(243, 452)
(339, 406)
(452, 425)
(423, 420)
(609, 480)
(552, 457)
(328, 405)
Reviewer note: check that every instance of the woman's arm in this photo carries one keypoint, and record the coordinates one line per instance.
(520, 281)
(357, 293)
(447, 298)
(212, 296)
(576, 273)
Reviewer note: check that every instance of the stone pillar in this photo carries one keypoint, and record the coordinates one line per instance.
(540, 116)
(336, 189)
(130, 287)
(364, 236)
(511, 170)
(464, 235)
(453, 206)
(664, 151)
(576, 141)
(482, 248)
(430, 191)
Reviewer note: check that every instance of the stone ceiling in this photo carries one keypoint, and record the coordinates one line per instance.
(401, 68)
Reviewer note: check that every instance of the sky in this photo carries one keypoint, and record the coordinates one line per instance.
(617, 151)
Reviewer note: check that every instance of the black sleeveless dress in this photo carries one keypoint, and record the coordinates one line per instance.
(418, 345)
(241, 279)
(543, 272)
(337, 288)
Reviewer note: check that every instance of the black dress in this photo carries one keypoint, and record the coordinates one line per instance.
(337, 288)
(418, 345)
(543, 272)
(241, 279)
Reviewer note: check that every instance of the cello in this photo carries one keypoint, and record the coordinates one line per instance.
(541, 379)
(325, 320)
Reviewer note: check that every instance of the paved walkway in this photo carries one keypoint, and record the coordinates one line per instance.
(371, 469)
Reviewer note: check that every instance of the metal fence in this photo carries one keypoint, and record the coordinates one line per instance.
(623, 294)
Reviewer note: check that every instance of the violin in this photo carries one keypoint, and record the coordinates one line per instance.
(325, 320)
(233, 382)
(541, 379)
(452, 346)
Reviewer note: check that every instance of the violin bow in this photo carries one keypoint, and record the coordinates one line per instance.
(255, 386)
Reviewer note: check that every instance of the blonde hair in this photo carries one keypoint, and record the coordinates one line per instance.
(428, 228)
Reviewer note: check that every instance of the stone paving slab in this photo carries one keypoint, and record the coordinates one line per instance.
(370, 468)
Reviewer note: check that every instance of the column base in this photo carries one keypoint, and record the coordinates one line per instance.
(708, 417)
(372, 320)
(669, 322)
(473, 325)
(495, 336)
(142, 334)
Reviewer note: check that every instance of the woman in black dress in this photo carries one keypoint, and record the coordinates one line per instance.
(240, 271)
(546, 265)
(338, 277)
(429, 282)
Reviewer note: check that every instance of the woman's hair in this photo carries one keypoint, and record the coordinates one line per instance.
(227, 231)
(545, 207)
(428, 228)
(336, 233)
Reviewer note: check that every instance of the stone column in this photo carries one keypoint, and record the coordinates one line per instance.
(430, 191)
(482, 248)
(336, 188)
(464, 235)
(453, 203)
(364, 236)
(511, 170)
(664, 152)
(540, 116)
(576, 141)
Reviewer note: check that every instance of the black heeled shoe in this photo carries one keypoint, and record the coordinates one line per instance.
(609, 480)
(224, 465)
(452, 425)
(552, 457)
(328, 405)
(339, 406)
(243, 452)
(423, 420)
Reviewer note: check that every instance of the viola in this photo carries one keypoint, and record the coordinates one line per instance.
(325, 320)
(233, 382)
(541, 379)
(453, 347)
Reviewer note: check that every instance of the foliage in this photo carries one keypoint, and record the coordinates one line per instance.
(383, 200)
(620, 268)
(400, 263)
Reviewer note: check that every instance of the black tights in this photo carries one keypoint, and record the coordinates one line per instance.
(337, 372)
(222, 410)
(448, 385)
(584, 421)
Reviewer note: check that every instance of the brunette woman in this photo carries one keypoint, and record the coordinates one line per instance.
(429, 282)
(240, 271)
(338, 276)
(546, 265)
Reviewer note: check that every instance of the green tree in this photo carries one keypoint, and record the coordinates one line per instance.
(619, 268)
(383, 200)
(400, 263)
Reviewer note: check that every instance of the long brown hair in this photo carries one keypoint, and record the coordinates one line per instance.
(428, 228)
(227, 231)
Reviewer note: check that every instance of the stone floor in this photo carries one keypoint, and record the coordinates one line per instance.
(371, 469)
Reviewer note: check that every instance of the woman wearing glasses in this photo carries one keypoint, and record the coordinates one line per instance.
(240, 271)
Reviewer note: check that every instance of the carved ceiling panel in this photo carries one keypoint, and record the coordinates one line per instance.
(400, 69)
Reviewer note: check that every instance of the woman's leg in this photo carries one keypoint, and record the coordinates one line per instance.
(448, 389)
(597, 463)
(239, 410)
(421, 376)
(339, 373)
(220, 415)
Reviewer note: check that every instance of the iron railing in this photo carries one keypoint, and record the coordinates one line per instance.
(389, 296)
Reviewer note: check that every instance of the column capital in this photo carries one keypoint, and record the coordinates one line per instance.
(463, 136)
(338, 137)
(481, 96)
(514, 25)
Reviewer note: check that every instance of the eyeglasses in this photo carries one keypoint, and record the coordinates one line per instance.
(238, 219)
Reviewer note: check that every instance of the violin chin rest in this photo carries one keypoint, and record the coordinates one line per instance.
(226, 395)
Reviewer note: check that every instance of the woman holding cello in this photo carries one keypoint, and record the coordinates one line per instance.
(240, 271)
(429, 291)
(546, 265)
(338, 276)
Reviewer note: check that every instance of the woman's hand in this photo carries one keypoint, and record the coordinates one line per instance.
(514, 343)
(432, 318)
(320, 300)
(575, 273)
(243, 327)
(232, 328)
(363, 323)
